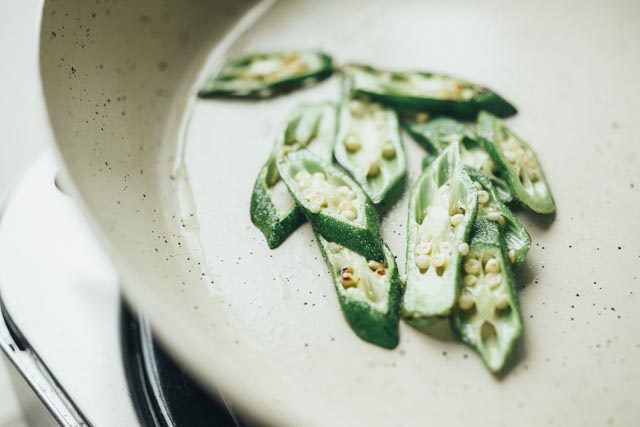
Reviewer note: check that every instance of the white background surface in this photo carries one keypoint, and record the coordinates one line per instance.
(21, 126)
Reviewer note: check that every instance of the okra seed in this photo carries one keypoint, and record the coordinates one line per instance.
(344, 205)
(512, 255)
(483, 197)
(374, 169)
(357, 108)
(423, 262)
(319, 176)
(424, 248)
(472, 266)
(346, 269)
(314, 208)
(309, 193)
(463, 248)
(456, 219)
(492, 266)
(348, 280)
(352, 143)
(501, 302)
(388, 150)
(478, 185)
(439, 260)
(320, 200)
(494, 216)
(349, 214)
(374, 265)
(493, 280)
(381, 271)
(470, 280)
(466, 301)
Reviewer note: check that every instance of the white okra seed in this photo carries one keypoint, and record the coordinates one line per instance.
(349, 214)
(512, 255)
(502, 302)
(314, 208)
(439, 260)
(463, 248)
(492, 266)
(466, 301)
(456, 219)
(424, 248)
(494, 216)
(493, 280)
(483, 197)
(423, 262)
(472, 266)
(319, 176)
(470, 280)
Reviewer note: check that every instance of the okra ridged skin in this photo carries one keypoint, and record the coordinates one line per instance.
(379, 327)
(488, 317)
(264, 215)
(516, 237)
(356, 227)
(406, 98)
(517, 162)
(442, 208)
(313, 124)
(228, 84)
(369, 146)
(436, 134)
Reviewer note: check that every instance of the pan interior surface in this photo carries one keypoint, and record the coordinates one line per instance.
(167, 178)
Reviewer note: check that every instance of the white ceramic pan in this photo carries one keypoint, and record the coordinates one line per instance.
(166, 179)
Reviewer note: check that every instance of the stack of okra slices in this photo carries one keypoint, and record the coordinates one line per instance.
(339, 162)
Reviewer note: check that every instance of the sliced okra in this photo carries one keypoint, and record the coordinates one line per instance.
(442, 207)
(427, 92)
(273, 210)
(487, 316)
(369, 292)
(518, 164)
(333, 203)
(435, 135)
(267, 74)
(370, 148)
(516, 237)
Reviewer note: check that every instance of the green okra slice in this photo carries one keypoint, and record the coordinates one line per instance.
(442, 207)
(518, 163)
(436, 134)
(272, 208)
(516, 237)
(333, 203)
(369, 292)
(369, 147)
(487, 316)
(427, 92)
(267, 74)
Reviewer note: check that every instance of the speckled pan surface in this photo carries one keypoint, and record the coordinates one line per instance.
(264, 326)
